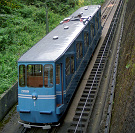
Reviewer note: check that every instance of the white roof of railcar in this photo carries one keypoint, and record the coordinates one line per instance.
(49, 49)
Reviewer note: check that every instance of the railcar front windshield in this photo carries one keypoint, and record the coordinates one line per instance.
(36, 75)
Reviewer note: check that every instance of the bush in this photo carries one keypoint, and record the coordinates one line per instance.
(58, 7)
(40, 16)
(72, 3)
(26, 12)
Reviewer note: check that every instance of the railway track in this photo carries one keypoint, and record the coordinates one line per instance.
(106, 11)
(109, 2)
(33, 130)
(87, 100)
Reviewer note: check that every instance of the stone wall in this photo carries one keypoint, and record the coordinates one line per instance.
(8, 100)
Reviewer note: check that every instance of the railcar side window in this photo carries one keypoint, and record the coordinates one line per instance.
(86, 39)
(57, 74)
(79, 50)
(34, 75)
(92, 31)
(99, 18)
(72, 64)
(96, 23)
(22, 75)
(67, 66)
(48, 75)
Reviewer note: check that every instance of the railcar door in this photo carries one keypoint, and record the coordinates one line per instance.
(59, 84)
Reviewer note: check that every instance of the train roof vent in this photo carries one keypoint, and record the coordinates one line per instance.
(81, 13)
(66, 27)
(66, 19)
(55, 37)
(86, 8)
(61, 22)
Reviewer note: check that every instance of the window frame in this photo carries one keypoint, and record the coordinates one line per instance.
(92, 30)
(79, 50)
(34, 75)
(96, 23)
(51, 84)
(86, 38)
(99, 16)
(58, 74)
(67, 66)
(72, 64)
(24, 69)
(70, 67)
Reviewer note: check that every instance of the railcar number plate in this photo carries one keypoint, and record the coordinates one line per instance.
(24, 91)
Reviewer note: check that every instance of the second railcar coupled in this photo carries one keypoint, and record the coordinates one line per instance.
(50, 71)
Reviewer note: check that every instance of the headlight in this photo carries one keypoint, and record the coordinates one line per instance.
(34, 97)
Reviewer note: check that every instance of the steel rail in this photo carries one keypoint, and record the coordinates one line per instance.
(23, 129)
(105, 8)
(108, 13)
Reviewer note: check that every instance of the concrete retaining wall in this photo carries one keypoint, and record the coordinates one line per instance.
(8, 100)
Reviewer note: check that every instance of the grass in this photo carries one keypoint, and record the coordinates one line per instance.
(21, 26)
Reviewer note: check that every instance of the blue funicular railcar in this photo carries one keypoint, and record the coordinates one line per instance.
(50, 71)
